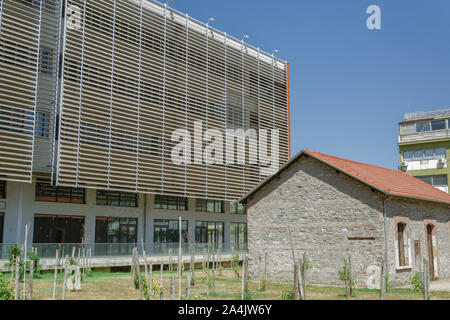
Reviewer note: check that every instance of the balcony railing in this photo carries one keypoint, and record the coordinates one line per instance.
(423, 136)
(104, 250)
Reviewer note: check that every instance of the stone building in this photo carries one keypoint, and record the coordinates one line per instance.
(338, 208)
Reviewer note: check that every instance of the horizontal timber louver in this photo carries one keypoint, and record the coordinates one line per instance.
(135, 71)
(28, 73)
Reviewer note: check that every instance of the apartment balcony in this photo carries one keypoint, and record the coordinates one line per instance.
(424, 136)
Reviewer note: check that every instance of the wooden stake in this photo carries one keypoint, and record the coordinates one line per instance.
(207, 274)
(66, 267)
(426, 280)
(161, 283)
(350, 275)
(30, 282)
(213, 274)
(265, 271)
(259, 273)
(73, 252)
(296, 281)
(243, 281)
(179, 258)
(56, 274)
(188, 287)
(16, 287)
(383, 280)
(172, 288)
(347, 287)
(150, 281)
(27, 227)
(138, 270)
(192, 269)
(303, 273)
(300, 284)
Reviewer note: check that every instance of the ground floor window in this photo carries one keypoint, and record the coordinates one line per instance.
(209, 232)
(2, 189)
(116, 198)
(170, 203)
(58, 229)
(48, 193)
(238, 235)
(1, 226)
(115, 230)
(167, 231)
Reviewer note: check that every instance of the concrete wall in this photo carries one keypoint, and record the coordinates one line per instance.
(331, 216)
(21, 207)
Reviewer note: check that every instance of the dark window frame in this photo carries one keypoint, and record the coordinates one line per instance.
(165, 224)
(52, 228)
(131, 222)
(203, 205)
(202, 229)
(3, 187)
(116, 199)
(238, 208)
(71, 194)
(170, 203)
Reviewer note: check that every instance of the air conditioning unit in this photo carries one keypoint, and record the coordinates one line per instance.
(404, 164)
(442, 161)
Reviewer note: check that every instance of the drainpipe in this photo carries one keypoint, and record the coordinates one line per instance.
(385, 230)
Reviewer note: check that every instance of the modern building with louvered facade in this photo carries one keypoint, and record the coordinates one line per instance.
(90, 95)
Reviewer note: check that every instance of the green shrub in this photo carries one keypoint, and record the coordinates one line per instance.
(287, 295)
(235, 264)
(417, 284)
(156, 288)
(247, 295)
(6, 291)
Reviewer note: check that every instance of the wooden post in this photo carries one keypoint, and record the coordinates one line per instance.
(207, 273)
(172, 287)
(259, 273)
(66, 267)
(213, 275)
(55, 278)
(192, 269)
(265, 272)
(161, 283)
(30, 282)
(300, 284)
(188, 287)
(146, 276)
(350, 275)
(347, 289)
(138, 270)
(16, 287)
(179, 258)
(27, 227)
(296, 281)
(304, 265)
(243, 281)
(383, 280)
(150, 281)
(73, 252)
(170, 260)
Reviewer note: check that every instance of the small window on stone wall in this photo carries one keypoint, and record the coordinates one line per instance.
(403, 245)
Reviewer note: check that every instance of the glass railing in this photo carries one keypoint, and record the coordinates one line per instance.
(98, 250)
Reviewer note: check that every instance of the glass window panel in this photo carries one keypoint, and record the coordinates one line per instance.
(45, 192)
(408, 155)
(158, 200)
(233, 207)
(218, 207)
(440, 180)
(426, 179)
(102, 198)
(418, 154)
(182, 204)
(101, 230)
(63, 194)
(440, 153)
(77, 195)
(113, 198)
(428, 154)
(438, 125)
(423, 126)
(210, 206)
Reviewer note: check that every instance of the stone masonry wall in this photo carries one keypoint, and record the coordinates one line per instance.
(331, 217)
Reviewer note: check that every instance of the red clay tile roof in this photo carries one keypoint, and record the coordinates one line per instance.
(399, 183)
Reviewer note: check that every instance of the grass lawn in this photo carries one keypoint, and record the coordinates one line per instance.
(120, 286)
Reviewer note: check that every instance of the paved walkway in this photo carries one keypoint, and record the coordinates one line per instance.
(440, 285)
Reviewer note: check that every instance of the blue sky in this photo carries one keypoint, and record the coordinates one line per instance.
(350, 86)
